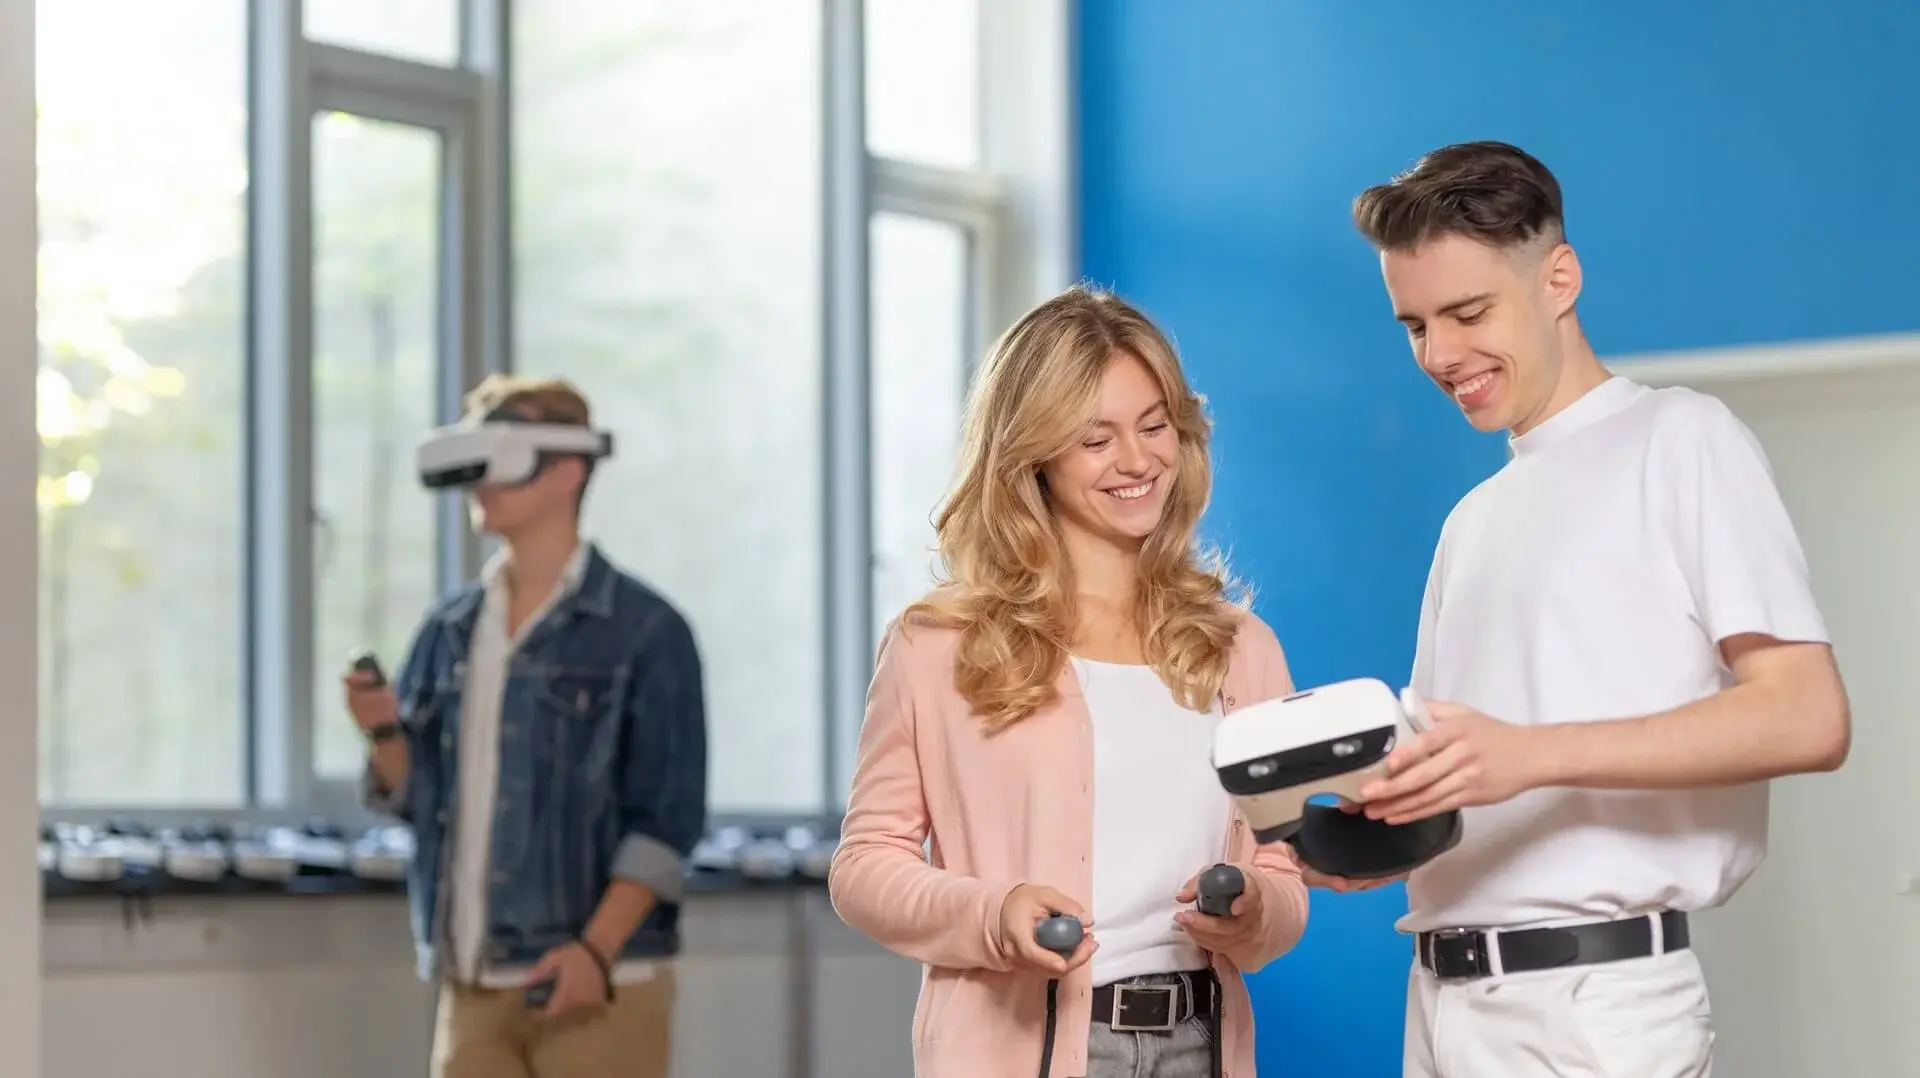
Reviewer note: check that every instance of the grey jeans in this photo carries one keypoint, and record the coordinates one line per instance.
(1185, 1051)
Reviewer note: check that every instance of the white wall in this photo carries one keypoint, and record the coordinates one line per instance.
(324, 988)
(19, 547)
(1815, 965)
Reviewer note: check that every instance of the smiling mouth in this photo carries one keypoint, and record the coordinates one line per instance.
(1473, 385)
(1133, 493)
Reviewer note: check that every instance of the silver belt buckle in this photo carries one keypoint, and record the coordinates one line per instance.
(1121, 992)
(1475, 955)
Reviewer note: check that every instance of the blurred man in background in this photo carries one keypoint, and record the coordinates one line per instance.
(546, 739)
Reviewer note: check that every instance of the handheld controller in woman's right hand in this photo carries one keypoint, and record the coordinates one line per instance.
(1060, 933)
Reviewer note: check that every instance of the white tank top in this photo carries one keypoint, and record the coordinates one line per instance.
(1159, 817)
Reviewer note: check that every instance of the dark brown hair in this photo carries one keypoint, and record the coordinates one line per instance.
(1497, 194)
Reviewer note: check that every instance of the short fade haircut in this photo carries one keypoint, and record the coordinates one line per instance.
(1490, 192)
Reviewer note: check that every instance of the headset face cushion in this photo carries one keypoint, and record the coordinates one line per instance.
(1334, 842)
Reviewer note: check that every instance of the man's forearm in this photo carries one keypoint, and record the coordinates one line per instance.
(621, 910)
(389, 760)
(1746, 733)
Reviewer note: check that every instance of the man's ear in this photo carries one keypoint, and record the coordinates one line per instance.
(1561, 278)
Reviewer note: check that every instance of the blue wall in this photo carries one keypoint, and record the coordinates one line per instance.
(1734, 173)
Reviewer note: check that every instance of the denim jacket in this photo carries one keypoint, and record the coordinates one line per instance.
(603, 767)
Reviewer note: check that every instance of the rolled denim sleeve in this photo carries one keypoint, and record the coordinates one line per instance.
(663, 788)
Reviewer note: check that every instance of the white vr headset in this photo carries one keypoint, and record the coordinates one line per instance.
(502, 452)
(1273, 757)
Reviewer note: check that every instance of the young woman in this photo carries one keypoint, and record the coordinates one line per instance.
(1045, 718)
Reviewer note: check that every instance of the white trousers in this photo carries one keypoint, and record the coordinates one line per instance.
(1640, 1018)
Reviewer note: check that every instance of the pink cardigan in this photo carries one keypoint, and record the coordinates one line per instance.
(1002, 810)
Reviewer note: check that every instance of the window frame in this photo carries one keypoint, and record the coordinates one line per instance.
(296, 80)
(1014, 209)
(292, 81)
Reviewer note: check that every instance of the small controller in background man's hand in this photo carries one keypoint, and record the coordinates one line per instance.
(367, 697)
(364, 662)
(1217, 888)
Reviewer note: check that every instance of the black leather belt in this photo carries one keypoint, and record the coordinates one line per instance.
(1465, 954)
(1156, 1005)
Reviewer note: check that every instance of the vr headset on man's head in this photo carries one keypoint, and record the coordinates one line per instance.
(502, 450)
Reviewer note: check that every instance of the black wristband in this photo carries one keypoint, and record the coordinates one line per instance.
(606, 967)
(386, 731)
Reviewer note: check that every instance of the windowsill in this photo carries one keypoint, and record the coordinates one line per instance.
(137, 884)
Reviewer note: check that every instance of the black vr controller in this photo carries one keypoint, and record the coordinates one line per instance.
(364, 662)
(1060, 933)
(1217, 889)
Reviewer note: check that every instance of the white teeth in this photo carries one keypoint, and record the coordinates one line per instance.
(1130, 493)
(1473, 385)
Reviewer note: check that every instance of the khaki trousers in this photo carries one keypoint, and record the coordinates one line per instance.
(490, 1033)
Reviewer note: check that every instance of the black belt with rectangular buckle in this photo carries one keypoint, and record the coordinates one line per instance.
(1453, 954)
(1156, 1006)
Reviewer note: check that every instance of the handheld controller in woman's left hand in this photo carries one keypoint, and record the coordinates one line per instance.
(1217, 888)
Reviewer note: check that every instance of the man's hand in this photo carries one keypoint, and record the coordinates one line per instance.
(1466, 758)
(579, 982)
(370, 700)
(1025, 907)
(1239, 928)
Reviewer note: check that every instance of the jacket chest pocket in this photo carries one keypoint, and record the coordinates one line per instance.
(581, 712)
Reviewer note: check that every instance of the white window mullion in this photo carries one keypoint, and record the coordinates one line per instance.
(280, 423)
(848, 541)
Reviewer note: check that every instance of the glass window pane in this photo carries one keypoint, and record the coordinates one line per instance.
(669, 264)
(376, 235)
(919, 318)
(141, 398)
(923, 81)
(424, 30)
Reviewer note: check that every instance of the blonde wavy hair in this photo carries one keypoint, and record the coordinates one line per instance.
(1009, 588)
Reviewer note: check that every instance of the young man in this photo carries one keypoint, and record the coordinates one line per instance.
(546, 739)
(1619, 644)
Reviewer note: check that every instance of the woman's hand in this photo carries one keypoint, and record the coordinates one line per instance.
(1239, 928)
(1022, 911)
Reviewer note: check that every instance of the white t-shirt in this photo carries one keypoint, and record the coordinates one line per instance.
(1159, 818)
(1593, 578)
